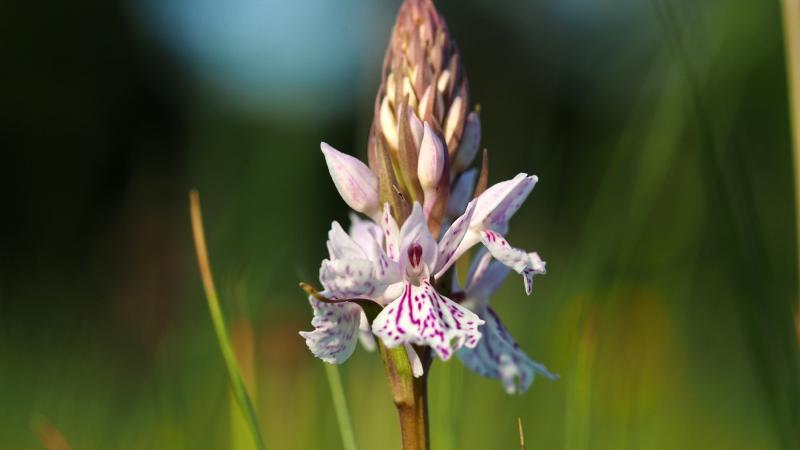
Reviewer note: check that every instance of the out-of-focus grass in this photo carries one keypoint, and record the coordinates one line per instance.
(659, 132)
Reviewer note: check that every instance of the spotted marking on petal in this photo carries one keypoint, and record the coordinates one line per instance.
(421, 316)
(391, 233)
(336, 330)
(518, 260)
(498, 355)
(451, 239)
(349, 278)
(513, 199)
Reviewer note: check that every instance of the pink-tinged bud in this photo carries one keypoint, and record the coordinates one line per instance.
(426, 105)
(356, 183)
(432, 155)
(416, 127)
(470, 143)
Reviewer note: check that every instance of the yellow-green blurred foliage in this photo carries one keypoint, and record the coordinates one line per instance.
(659, 131)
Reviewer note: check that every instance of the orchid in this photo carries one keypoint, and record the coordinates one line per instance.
(420, 315)
(356, 268)
(490, 222)
(497, 355)
(390, 280)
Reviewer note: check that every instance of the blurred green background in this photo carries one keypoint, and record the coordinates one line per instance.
(660, 133)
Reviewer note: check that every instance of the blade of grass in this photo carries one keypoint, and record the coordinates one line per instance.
(234, 374)
(791, 37)
(340, 406)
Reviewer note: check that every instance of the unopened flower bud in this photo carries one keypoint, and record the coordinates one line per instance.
(432, 155)
(470, 143)
(388, 123)
(356, 183)
(416, 127)
(444, 80)
(454, 118)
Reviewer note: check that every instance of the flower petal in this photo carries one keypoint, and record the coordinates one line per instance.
(391, 233)
(497, 355)
(514, 198)
(485, 278)
(526, 264)
(356, 183)
(470, 142)
(341, 245)
(365, 334)
(416, 363)
(415, 231)
(492, 197)
(462, 192)
(349, 278)
(366, 234)
(421, 316)
(335, 331)
(452, 238)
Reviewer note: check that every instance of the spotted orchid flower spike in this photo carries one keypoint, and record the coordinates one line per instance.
(419, 208)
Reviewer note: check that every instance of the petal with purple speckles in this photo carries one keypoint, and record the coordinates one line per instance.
(525, 264)
(335, 330)
(497, 355)
(490, 199)
(349, 278)
(451, 239)
(391, 233)
(421, 316)
(367, 234)
(498, 218)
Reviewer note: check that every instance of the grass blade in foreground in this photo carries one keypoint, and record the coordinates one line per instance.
(791, 35)
(237, 383)
(340, 405)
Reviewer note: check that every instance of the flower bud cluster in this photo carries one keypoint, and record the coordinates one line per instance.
(423, 135)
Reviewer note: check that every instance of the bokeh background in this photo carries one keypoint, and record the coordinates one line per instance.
(660, 133)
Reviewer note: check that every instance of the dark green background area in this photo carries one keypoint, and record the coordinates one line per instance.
(660, 134)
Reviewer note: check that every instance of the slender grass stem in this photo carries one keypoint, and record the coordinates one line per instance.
(791, 36)
(237, 383)
(340, 406)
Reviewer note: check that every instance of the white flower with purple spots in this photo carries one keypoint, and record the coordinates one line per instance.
(489, 223)
(357, 268)
(497, 355)
(419, 315)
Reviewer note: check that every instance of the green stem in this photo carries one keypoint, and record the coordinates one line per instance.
(410, 396)
(237, 383)
(340, 406)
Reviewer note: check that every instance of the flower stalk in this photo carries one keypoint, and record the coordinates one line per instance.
(410, 396)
